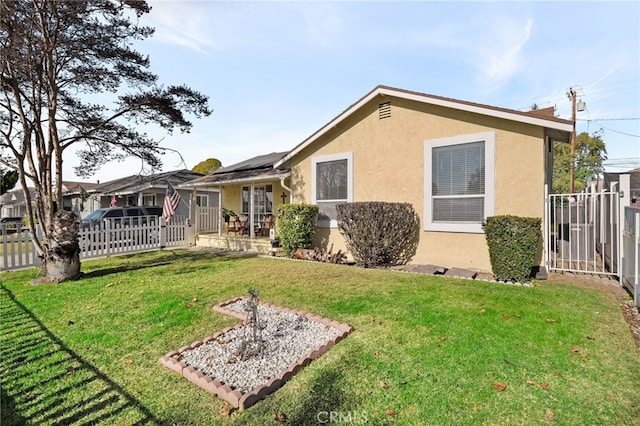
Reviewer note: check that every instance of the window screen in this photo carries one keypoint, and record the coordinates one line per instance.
(331, 180)
(458, 182)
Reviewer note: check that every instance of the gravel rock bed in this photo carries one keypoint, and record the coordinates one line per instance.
(286, 337)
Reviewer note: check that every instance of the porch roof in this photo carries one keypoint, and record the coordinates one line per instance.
(138, 183)
(252, 170)
(238, 177)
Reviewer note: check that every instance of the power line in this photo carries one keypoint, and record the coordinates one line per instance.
(621, 133)
(608, 119)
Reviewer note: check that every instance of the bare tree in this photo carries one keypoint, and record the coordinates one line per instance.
(55, 57)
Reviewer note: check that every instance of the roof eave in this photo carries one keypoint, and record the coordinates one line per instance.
(259, 178)
(447, 103)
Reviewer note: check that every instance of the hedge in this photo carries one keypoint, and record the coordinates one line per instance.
(513, 243)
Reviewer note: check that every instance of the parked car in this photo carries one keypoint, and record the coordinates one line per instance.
(122, 216)
(10, 225)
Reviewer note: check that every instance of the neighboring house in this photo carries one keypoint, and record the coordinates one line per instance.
(75, 197)
(80, 197)
(456, 162)
(84, 197)
(13, 204)
(150, 191)
(252, 187)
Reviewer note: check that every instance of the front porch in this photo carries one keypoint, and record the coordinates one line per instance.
(260, 245)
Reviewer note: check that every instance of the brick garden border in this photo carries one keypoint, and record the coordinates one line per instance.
(234, 397)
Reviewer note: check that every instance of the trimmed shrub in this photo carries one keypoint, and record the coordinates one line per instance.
(513, 244)
(379, 233)
(296, 226)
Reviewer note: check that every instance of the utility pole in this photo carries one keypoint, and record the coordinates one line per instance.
(572, 96)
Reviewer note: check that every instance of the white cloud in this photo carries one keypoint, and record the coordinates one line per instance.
(502, 52)
(181, 23)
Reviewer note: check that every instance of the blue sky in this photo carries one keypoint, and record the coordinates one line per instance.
(275, 72)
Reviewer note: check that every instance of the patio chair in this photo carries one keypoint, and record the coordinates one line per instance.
(265, 225)
(239, 225)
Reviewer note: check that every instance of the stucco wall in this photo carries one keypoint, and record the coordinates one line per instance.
(388, 165)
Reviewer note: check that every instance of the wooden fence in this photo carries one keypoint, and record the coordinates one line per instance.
(108, 239)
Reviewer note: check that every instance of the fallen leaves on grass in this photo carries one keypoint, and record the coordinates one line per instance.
(549, 416)
(550, 320)
(575, 349)
(280, 417)
(390, 412)
(227, 409)
(129, 361)
(544, 386)
(499, 386)
(383, 384)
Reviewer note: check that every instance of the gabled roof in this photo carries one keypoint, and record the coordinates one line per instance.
(75, 188)
(540, 118)
(137, 183)
(14, 197)
(253, 169)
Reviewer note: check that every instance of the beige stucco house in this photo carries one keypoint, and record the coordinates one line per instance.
(456, 162)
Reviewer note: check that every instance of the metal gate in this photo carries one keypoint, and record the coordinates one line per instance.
(583, 232)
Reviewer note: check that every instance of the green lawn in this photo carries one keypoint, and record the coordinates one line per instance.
(86, 352)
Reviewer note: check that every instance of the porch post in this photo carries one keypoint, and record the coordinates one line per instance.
(252, 190)
(220, 216)
(546, 234)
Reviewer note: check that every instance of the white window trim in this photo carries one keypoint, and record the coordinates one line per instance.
(203, 196)
(153, 199)
(489, 139)
(323, 159)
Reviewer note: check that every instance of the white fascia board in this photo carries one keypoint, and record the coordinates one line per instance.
(262, 178)
(333, 123)
(537, 121)
(428, 100)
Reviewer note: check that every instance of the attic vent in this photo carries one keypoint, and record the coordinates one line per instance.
(384, 110)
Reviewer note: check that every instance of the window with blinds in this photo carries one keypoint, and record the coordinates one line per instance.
(459, 182)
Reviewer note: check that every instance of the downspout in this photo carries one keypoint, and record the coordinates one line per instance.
(286, 188)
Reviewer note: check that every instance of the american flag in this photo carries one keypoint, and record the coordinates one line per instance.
(171, 200)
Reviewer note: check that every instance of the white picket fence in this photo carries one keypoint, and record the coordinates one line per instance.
(107, 240)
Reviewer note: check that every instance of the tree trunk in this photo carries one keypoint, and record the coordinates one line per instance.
(61, 260)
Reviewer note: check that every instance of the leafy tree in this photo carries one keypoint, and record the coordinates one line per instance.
(590, 155)
(8, 179)
(207, 166)
(61, 62)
